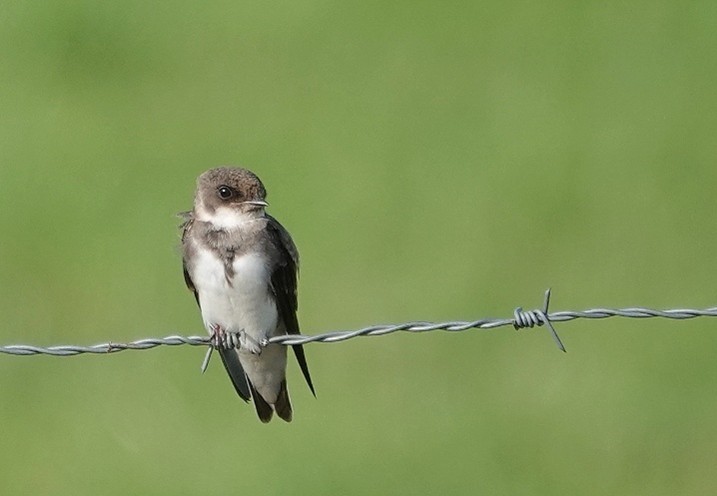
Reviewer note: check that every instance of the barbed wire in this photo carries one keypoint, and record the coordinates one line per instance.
(521, 319)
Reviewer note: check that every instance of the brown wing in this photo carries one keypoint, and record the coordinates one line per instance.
(229, 357)
(186, 226)
(284, 282)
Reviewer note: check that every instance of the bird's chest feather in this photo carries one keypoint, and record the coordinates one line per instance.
(235, 293)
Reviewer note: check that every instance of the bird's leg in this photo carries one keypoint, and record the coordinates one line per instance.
(218, 338)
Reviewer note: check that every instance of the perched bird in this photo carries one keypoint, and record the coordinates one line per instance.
(242, 266)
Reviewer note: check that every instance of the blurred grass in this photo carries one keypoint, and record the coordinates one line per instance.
(433, 161)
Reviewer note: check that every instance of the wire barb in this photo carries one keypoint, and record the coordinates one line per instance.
(531, 318)
(521, 319)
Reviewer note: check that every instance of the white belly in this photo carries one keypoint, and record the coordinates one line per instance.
(245, 304)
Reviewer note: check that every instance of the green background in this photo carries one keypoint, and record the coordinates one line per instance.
(433, 161)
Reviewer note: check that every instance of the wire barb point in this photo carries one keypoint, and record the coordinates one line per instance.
(207, 356)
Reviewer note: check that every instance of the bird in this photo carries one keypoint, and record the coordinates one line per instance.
(242, 266)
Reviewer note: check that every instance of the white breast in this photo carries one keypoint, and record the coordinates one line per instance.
(244, 303)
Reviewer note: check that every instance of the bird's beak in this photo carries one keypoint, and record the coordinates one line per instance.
(258, 203)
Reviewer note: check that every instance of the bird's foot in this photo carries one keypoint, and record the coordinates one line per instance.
(222, 339)
(248, 343)
(228, 340)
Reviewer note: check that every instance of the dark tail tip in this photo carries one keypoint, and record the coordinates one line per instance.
(283, 404)
(263, 409)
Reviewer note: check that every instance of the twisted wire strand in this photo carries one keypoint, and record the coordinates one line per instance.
(521, 319)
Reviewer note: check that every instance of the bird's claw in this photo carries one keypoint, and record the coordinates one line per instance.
(223, 340)
(247, 343)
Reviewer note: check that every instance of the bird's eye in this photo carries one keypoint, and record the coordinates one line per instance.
(225, 192)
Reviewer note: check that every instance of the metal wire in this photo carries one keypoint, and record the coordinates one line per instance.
(521, 319)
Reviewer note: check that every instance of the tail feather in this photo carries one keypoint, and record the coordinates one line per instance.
(301, 358)
(263, 409)
(283, 404)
